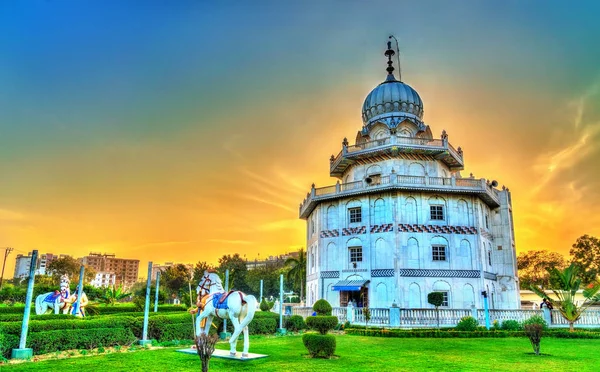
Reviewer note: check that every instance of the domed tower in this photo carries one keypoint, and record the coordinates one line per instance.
(401, 221)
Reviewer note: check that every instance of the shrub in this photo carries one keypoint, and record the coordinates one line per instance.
(536, 319)
(534, 331)
(319, 345)
(511, 325)
(295, 323)
(322, 307)
(322, 324)
(266, 305)
(50, 341)
(264, 326)
(467, 323)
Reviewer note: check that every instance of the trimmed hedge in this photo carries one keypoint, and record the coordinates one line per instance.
(322, 323)
(19, 317)
(322, 307)
(431, 333)
(104, 310)
(61, 324)
(319, 345)
(511, 325)
(59, 340)
(295, 323)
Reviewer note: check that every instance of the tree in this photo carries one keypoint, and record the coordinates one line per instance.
(297, 273)
(586, 255)
(237, 271)
(66, 265)
(568, 282)
(112, 295)
(199, 269)
(436, 299)
(269, 274)
(532, 267)
(175, 278)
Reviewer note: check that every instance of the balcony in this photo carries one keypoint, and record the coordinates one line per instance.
(472, 186)
(390, 147)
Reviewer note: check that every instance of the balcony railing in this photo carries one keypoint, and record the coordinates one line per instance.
(468, 185)
(388, 142)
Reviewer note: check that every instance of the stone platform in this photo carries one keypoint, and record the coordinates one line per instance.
(225, 354)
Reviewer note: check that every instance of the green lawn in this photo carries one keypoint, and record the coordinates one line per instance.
(356, 353)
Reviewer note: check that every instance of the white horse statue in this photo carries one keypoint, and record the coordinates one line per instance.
(57, 300)
(235, 305)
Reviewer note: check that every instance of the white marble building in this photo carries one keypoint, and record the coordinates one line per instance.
(402, 222)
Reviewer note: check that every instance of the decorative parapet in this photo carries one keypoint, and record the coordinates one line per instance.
(394, 145)
(391, 182)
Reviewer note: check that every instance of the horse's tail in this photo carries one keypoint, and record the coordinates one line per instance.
(251, 303)
(38, 304)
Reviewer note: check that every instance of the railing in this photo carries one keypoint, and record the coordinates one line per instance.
(417, 318)
(413, 180)
(443, 183)
(393, 141)
(325, 190)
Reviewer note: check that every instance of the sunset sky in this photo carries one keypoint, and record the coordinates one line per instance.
(185, 130)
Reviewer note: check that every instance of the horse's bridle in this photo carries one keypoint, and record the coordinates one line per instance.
(206, 284)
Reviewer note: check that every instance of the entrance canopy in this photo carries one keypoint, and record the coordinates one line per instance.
(349, 285)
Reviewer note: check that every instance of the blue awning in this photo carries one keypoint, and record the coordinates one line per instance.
(349, 285)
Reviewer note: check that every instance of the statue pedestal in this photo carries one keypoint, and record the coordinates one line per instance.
(21, 353)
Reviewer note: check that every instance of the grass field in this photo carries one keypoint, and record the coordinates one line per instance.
(356, 353)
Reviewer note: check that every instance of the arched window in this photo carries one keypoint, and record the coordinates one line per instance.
(468, 296)
(380, 296)
(463, 213)
(414, 296)
(464, 255)
(437, 208)
(379, 212)
(412, 253)
(410, 208)
(444, 287)
(416, 169)
(383, 255)
(332, 218)
(439, 249)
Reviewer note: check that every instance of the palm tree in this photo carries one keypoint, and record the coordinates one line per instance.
(297, 271)
(112, 295)
(568, 282)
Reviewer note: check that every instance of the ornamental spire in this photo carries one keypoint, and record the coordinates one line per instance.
(389, 53)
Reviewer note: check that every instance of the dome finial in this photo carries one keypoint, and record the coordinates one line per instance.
(390, 53)
(398, 50)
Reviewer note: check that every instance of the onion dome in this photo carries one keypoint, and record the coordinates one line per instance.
(392, 99)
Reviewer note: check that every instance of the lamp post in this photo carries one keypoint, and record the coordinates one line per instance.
(281, 329)
(156, 291)
(486, 310)
(22, 352)
(144, 341)
(225, 334)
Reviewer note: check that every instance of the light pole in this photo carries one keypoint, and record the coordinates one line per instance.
(6, 253)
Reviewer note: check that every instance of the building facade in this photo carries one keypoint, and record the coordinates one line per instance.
(22, 265)
(125, 270)
(401, 221)
(104, 279)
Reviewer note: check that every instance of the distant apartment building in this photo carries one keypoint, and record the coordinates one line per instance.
(43, 263)
(125, 270)
(104, 279)
(22, 265)
(271, 260)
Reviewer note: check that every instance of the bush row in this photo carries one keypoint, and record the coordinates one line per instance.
(429, 333)
(123, 308)
(51, 341)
